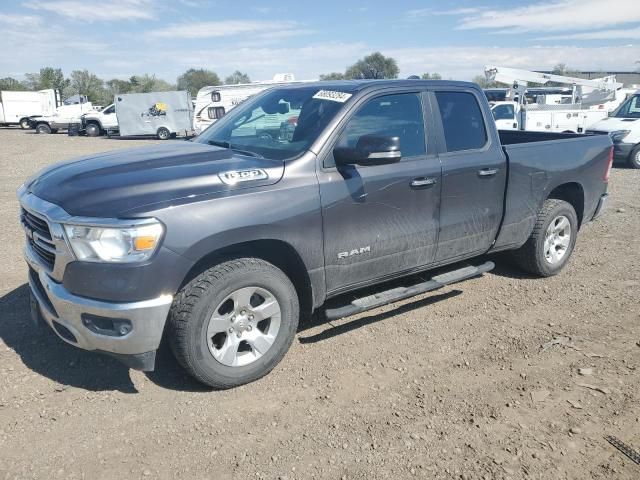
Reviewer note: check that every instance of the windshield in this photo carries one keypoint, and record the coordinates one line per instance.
(629, 109)
(280, 123)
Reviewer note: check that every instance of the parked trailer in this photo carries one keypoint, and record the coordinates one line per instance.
(17, 107)
(162, 114)
(213, 102)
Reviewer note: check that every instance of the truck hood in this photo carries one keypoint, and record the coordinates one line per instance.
(611, 124)
(127, 182)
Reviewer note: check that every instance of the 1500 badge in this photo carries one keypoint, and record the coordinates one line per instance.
(237, 176)
(355, 251)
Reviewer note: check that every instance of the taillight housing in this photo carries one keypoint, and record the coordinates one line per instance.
(607, 172)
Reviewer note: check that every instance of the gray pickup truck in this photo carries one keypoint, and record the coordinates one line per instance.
(221, 244)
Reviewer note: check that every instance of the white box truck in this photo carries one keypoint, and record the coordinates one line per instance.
(16, 108)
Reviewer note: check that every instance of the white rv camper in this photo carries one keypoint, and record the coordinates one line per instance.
(17, 107)
(214, 102)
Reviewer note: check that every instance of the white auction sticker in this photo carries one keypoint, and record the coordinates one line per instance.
(332, 95)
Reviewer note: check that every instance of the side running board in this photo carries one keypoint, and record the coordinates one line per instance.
(400, 293)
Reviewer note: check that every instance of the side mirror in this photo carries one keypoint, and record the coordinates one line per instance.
(369, 150)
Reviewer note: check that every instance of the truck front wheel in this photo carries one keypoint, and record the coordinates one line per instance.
(93, 130)
(233, 323)
(552, 241)
(634, 158)
(24, 123)
(43, 128)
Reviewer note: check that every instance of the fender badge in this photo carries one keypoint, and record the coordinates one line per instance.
(234, 177)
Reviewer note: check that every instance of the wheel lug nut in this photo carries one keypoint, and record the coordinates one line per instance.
(249, 328)
(231, 330)
(243, 312)
(250, 317)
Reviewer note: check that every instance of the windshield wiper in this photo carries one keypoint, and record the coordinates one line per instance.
(224, 144)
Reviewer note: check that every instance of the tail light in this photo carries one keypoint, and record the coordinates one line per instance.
(607, 173)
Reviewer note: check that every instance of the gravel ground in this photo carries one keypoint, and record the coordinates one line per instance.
(480, 380)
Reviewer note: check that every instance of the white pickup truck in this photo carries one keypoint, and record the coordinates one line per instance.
(544, 118)
(98, 123)
(62, 118)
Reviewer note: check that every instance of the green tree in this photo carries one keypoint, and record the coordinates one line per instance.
(195, 78)
(9, 83)
(373, 66)
(332, 76)
(47, 77)
(431, 76)
(86, 83)
(484, 82)
(236, 78)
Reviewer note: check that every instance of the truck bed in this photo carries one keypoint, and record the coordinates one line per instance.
(512, 137)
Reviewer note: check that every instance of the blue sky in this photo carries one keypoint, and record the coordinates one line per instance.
(119, 38)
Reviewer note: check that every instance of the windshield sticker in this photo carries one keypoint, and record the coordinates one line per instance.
(332, 95)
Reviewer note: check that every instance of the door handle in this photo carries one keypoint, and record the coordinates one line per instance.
(423, 182)
(488, 172)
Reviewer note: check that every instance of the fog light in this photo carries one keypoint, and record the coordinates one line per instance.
(112, 327)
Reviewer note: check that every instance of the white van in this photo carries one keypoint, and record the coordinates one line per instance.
(623, 126)
(17, 107)
(214, 102)
(544, 118)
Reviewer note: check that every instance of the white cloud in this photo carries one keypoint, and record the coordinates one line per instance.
(616, 34)
(228, 28)
(564, 15)
(426, 12)
(463, 63)
(105, 11)
(20, 20)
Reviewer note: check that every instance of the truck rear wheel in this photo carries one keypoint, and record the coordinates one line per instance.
(634, 158)
(43, 128)
(551, 243)
(24, 123)
(93, 130)
(164, 133)
(233, 323)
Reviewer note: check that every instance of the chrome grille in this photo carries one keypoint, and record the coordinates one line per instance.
(39, 238)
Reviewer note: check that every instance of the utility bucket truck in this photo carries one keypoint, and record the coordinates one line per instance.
(16, 108)
(574, 116)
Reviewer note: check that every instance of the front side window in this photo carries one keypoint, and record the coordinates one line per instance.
(110, 110)
(280, 123)
(503, 112)
(462, 121)
(393, 116)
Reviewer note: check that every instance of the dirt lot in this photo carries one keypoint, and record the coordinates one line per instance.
(454, 384)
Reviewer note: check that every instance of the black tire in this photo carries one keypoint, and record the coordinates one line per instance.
(531, 256)
(24, 124)
(93, 130)
(164, 133)
(194, 305)
(634, 158)
(43, 128)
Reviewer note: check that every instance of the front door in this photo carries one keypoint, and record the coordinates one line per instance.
(382, 219)
(505, 117)
(473, 177)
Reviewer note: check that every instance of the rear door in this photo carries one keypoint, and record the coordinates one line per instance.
(473, 175)
(379, 220)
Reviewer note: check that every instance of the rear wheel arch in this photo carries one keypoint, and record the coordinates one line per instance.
(572, 193)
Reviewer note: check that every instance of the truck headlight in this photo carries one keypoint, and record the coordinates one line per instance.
(618, 135)
(114, 244)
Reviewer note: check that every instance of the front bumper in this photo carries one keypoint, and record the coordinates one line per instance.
(621, 151)
(68, 316)
(129, 328)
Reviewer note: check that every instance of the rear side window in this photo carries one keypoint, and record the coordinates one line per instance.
(462, 121)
